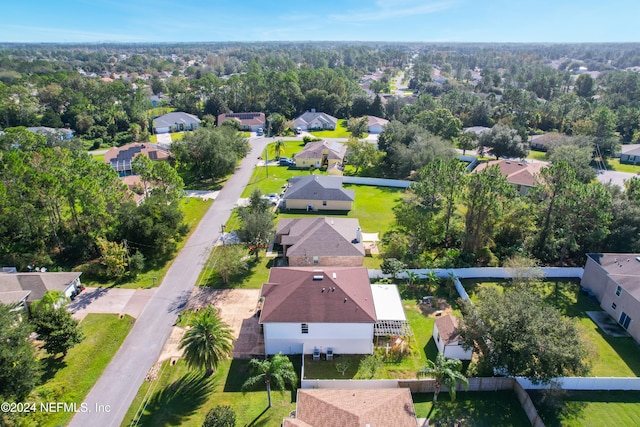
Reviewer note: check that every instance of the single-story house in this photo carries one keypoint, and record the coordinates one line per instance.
(321, 241)
(120, 158)
(321, 154)
(361, 408)
(447, 338)
(25, 288)
(311, 308)
(522, 175)
(315, 193)
(376, 124)
(175, 122)
(543, 142)
(248, 121)
(478, 130)
(312, 120)
(631, 157)
(61, 133)
(136, 188)
(159, 100)
(614, 278)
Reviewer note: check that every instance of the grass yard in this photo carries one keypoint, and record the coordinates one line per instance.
(183, 397)
(421, 344)
(70, 379)
(290, 148)
(99, 157)
(340, 131)
(614, 164)
(589, 408)
(609, 356)
(491, 409)
(538, 155)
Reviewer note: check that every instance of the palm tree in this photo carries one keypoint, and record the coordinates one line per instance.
(444, 371)
(208, 341)
(278, 148)
(278, 371)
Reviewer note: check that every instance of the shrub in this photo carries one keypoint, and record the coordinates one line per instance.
(220, 416)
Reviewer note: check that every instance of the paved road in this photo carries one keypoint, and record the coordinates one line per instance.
(121, 380)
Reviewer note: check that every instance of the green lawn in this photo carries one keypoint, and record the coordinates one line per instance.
(614, 164)
(609, 356)
(538, 155)
(182, 397)
(491, 409)
(340, 131)
(421, 344)
(70, 379)
(291, 147)
(97, 157)
(193, 209)
(589, 408)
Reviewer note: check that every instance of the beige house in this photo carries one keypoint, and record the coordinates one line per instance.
(321, 241)
(361, 408)
(522, 175)
(615, 281)
(316, 193)
(321, 154)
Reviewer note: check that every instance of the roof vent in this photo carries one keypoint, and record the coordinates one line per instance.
(333, 289)
(345, 300)
(520, 164)
(638, 258)
(335, 276)
(322, 289)
(318, 277)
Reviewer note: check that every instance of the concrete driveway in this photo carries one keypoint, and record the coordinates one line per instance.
(110, 300)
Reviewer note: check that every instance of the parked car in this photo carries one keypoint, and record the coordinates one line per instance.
(297, 131)
(272, 198)
(286, 161)
(260, 132)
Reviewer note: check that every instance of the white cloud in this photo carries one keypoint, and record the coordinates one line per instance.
(388, 9)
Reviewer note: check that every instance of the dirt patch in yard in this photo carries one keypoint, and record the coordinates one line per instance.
(238, 308)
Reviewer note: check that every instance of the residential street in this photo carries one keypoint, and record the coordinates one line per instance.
(121, 380)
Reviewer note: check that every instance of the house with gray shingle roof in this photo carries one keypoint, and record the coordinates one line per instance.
(312, 120)
(175, 122)
(321, 241)
(25, 288)
(315, 192)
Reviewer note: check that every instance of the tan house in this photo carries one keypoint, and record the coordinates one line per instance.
(376, 124)
(615, 281)
(316, 193)
(248, 121)
(522, 175)
(321, 154)
(121, 158)
(357, 408)
(321, 241)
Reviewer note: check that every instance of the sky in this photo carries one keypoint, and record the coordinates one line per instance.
(142, 21)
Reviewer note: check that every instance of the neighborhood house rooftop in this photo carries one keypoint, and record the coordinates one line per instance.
(623, 268)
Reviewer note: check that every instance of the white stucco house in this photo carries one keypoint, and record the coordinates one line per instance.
(313, 120)
(176, 121)
(306, 308)
(448, 340)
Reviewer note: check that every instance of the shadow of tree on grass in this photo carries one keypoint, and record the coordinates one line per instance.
(180, 399)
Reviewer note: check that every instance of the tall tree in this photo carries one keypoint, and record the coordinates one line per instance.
(362, 154)
(487, 194)
(519, 335)
(208, 341)
(447, 372)
(257, 220)
(503, 141)
(19, 369)
(58, 329)
(277, 371)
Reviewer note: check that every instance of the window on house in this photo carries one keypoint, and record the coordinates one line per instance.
(624, 320)
(304, 328)
(613, 305)
(438, 337)
(316, 260)
(324, 203)
(618, 291)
